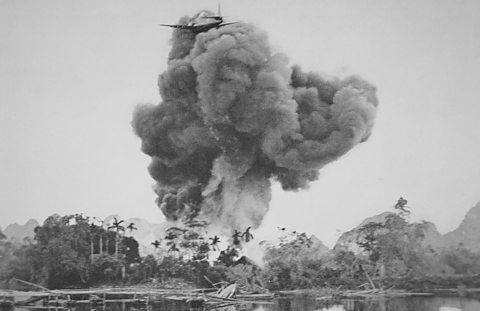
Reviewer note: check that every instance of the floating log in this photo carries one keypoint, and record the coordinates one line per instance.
(31, 284)
(255, 296)
(373, 293)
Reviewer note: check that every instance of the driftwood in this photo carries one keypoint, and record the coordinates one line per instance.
(31, 284)
(236, 300)
(373, 293)
(255, 296)
(202, 297)
(227, 292)
(369, 280)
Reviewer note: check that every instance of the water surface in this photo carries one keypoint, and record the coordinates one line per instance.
(307, 303)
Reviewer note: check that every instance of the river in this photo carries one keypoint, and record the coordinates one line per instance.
(309, 303)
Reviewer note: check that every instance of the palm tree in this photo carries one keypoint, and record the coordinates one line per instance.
(247, 236)
(215, 241)
(101, 233)
(173, 247)
(117, 225)
(131, 227)
(236, 237)
(402, 207)
(92, 229)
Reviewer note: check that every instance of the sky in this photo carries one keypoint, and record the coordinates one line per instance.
(71, 73)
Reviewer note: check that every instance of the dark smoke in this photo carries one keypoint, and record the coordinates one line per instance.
(235, 116)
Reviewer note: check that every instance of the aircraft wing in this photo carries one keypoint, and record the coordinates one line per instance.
(225, 24)
(177, 26)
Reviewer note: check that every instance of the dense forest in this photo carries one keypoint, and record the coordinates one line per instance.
(76, 251)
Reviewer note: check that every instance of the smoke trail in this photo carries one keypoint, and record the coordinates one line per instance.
(234, 116)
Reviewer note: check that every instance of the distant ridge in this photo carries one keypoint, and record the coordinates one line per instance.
(145, 234)
(18, 233)
(467, 234)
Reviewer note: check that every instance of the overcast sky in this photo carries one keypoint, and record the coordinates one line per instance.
(71, 73)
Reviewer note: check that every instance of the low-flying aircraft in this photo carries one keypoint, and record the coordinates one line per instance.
(202, 23)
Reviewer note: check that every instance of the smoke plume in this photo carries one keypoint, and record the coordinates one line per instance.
(235, 116)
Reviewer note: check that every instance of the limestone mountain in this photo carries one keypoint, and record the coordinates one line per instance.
(348, 240)
(429, 237)
(318, 247)
(467, 234)
(17, 233)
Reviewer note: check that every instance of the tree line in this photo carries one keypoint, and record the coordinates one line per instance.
(68, 251)
(393, 252)
(76, 251)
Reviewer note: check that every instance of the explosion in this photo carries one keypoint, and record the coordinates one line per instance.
(235, 117)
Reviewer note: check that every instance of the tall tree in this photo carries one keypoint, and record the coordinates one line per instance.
(101, 232)
(117, 226)
(131, 227)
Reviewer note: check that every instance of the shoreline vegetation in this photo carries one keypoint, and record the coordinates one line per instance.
(75, 252)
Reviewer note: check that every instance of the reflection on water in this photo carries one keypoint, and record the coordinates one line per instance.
(305, 303)
(335, 308)
(382, 304)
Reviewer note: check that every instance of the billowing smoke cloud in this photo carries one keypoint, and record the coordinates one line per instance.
(235, 116)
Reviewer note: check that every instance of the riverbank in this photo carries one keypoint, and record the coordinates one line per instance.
(328, 293)
(213, 297)
(179, 290)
